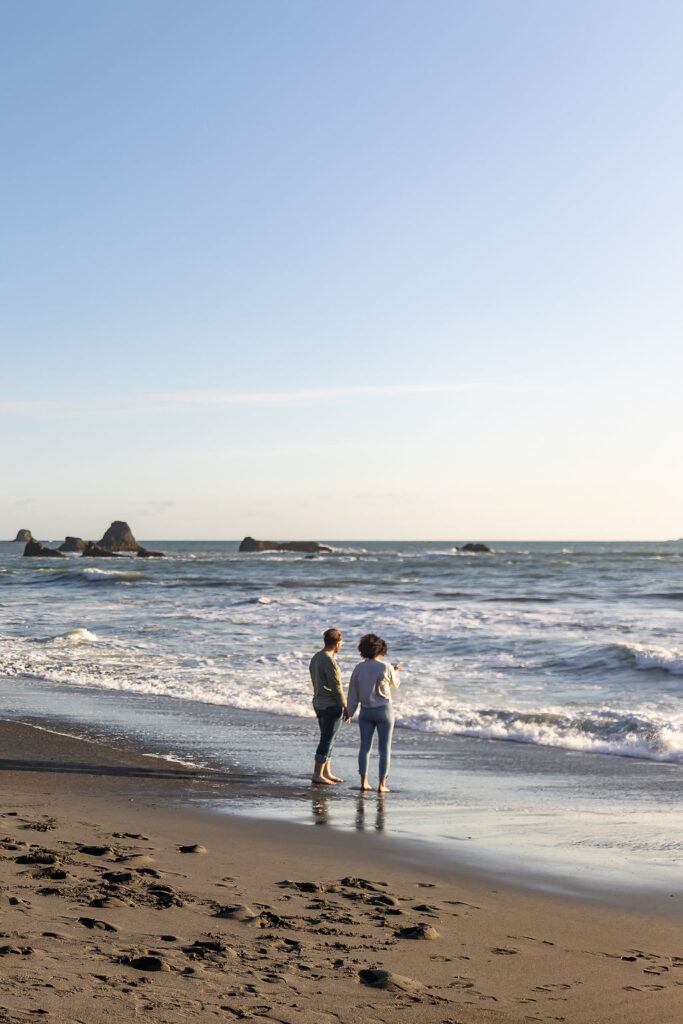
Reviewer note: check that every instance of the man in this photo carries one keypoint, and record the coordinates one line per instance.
(329, 704)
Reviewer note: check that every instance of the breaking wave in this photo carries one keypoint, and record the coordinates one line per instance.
(592, 731)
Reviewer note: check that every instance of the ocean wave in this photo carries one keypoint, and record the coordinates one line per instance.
(599, 657)
(277, 683)
(93, 575)
(68, 576)
(75, 636)
(668, 659)
(594, 731)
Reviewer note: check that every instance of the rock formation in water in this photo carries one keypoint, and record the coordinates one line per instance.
(119, 537)
(72, 544)
(476, 547)
(92, 550)
(24, 536)
(34, 549)
(310, 546)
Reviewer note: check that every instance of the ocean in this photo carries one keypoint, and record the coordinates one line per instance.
(535, 663)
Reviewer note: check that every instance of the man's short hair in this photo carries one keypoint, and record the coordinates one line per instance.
(371, 645)
(331, 637)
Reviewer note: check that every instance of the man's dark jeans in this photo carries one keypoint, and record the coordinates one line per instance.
(329, 720)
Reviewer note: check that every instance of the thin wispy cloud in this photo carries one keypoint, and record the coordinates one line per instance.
(305, 396)
(154, 403)
(9, 406)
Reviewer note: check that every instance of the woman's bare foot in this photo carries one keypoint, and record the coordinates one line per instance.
(320, 780)
(364, 784)
(327, 774)
(383, 788)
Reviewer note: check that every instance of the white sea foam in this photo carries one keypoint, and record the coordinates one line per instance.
(591, 731)
(668, 659)
(76, 636)
(527, 647)
(277, 682)
(94, 575)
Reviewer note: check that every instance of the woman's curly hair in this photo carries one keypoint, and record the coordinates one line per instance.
(371, 645)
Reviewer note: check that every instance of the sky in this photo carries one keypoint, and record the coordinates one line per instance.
(356, 270)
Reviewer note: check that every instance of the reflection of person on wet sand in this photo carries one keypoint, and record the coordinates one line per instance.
(361, 809)
(329, 705)
(320, 806)
(371, 684)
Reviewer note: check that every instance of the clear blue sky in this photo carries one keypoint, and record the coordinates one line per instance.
(342, 270)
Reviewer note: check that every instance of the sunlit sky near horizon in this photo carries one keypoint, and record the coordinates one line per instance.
(376, 269)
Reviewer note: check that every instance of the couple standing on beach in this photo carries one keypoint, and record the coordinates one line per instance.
(372, 681)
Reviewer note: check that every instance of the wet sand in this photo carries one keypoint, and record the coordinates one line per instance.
(540, 817)
(120, 900)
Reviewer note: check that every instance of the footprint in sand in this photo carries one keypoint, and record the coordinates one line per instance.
(56, 874)
(93, 923)
(210, 950)
(384, 900)
(46, 825)
(192, 848)
(118, 877)
(362, 883)
(503, 951)
(238, 912)
(95, 851)
(136, 860)
(37, 855)
(390, 982)
(418, 931)
(145, 962)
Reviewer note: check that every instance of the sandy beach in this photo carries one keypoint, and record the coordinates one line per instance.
(120, 901)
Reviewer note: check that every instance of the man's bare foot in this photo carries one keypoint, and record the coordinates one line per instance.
(365, 786)
(320, 780)
(383, 788)
(332, 778)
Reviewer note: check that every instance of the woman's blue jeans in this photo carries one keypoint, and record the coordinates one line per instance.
(381, 719)
(329, 720)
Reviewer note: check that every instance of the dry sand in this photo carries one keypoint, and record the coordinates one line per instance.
(119, 903)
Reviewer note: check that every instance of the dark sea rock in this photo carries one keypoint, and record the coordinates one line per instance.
(97, 551)
(34, 549)
(119, 537)
(476, 547)
(308, 546)
(72, 544)
(23, 536)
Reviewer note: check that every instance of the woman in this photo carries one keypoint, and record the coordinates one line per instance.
(371, 684)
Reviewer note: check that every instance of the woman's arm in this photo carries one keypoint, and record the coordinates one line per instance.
(352, 697)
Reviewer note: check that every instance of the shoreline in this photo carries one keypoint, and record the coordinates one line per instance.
(331, 912)
(212, 797)
(535, 816)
